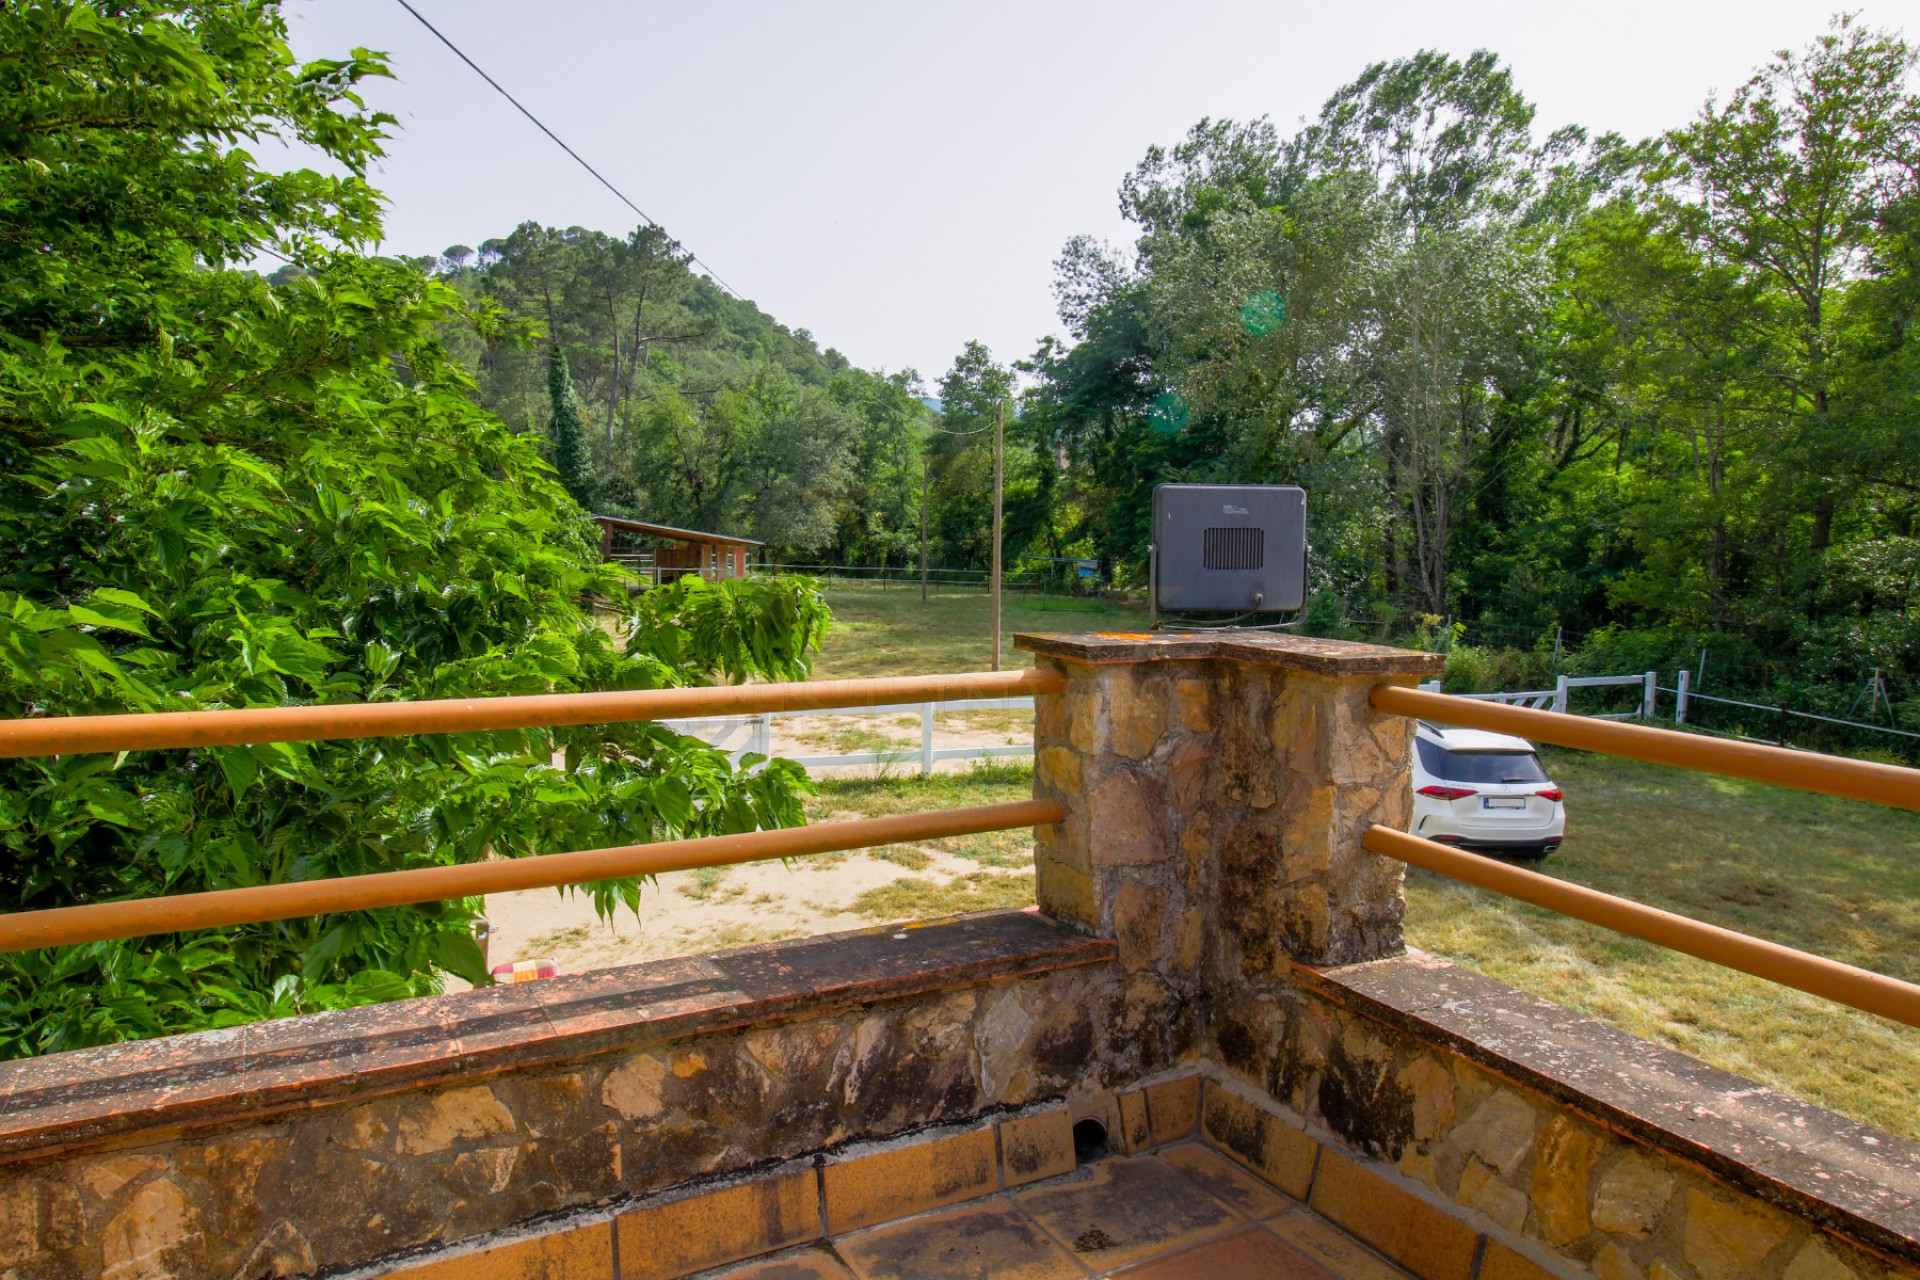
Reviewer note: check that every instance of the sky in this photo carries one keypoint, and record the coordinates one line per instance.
(899, 177)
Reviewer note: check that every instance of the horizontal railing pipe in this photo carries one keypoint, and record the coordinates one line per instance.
(82, 735)
(1886, 784)
(219, 908)
(1862, 989)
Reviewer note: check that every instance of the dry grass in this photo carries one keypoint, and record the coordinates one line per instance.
(902, 855)
(911, 898)
(1836, 878)
(992, 848)
(706, 882)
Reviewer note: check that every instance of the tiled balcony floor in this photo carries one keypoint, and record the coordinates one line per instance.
(1182, 1212)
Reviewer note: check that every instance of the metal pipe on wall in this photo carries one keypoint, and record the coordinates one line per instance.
(1862, 989)
(1886, 784)
(96, 922)
(80, 735)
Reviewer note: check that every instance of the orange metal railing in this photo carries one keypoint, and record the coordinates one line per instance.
(1817, 975)
(1886, 784)
(63, 926)
(1828, 775)
(80, 735)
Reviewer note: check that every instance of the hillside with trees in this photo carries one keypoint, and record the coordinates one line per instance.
(665, 398)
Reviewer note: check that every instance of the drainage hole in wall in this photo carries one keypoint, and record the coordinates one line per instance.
(1089, 1141)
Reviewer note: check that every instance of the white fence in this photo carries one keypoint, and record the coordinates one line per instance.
(741, 734)
(1560, 697)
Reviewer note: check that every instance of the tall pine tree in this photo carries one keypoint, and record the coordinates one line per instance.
(570, 455)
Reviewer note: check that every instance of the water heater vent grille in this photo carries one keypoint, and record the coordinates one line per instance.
(1243, 548)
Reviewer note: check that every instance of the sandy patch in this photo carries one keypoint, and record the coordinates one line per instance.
(690, 912)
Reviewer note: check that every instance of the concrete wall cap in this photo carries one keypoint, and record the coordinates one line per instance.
(1272, 649)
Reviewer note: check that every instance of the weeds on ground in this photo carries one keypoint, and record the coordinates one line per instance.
(988, 782)
(703, 882)
(903, 855)
(992, 848)
(890, 633)
(912, 898)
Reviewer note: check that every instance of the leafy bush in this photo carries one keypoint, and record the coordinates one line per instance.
(1472, 669)
(220, 492)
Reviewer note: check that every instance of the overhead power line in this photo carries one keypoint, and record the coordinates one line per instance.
(557, 141)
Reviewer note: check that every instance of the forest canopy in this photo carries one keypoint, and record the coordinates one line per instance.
(1656, 395)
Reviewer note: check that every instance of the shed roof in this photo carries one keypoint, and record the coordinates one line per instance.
(668, 531)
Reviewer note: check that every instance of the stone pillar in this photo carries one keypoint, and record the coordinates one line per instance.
(1217, 788)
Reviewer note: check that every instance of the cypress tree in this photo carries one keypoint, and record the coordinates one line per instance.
(571, 457)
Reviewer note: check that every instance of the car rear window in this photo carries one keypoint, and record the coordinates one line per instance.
(1480, 766)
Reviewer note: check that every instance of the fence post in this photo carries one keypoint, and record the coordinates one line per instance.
(1680, 707)
(926, 739)
(1650, 700)
(763, 733)
(1560, 694)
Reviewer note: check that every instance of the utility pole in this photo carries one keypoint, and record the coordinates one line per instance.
(999, 434)
(926, 471)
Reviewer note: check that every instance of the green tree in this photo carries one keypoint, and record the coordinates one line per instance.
(222, 491)
(571, 457)
(1786, 183)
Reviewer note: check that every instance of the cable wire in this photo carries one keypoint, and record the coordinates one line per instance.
(439, 35)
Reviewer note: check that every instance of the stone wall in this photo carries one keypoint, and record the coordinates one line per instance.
(1217, 791)
(160, 1160)
(1571, 1142)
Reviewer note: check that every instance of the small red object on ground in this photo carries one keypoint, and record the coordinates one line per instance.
(525, 971)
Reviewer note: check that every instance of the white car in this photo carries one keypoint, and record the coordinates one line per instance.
(1484, 791)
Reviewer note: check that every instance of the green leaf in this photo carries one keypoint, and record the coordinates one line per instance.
(115, 595)
(239, 767)
(102, 613)
(456, 951)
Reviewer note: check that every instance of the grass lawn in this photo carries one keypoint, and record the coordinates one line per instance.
(1829, 876)
(888, 632)
(1833, 877)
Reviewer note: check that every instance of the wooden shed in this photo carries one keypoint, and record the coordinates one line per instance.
(663, 553)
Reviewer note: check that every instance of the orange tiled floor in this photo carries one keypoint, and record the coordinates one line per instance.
(1184, 1212)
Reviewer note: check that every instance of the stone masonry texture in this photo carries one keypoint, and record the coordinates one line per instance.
(364, 1173)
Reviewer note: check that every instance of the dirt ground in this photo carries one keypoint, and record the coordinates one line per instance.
(695, 911)
(692, 912)
(850, 733)
(875, 633)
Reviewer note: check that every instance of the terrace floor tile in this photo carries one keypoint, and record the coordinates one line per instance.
(1124, 1210)
(1249, 1254)
(989, 1237)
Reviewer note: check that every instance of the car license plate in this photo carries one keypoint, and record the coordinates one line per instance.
(1503, 802)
